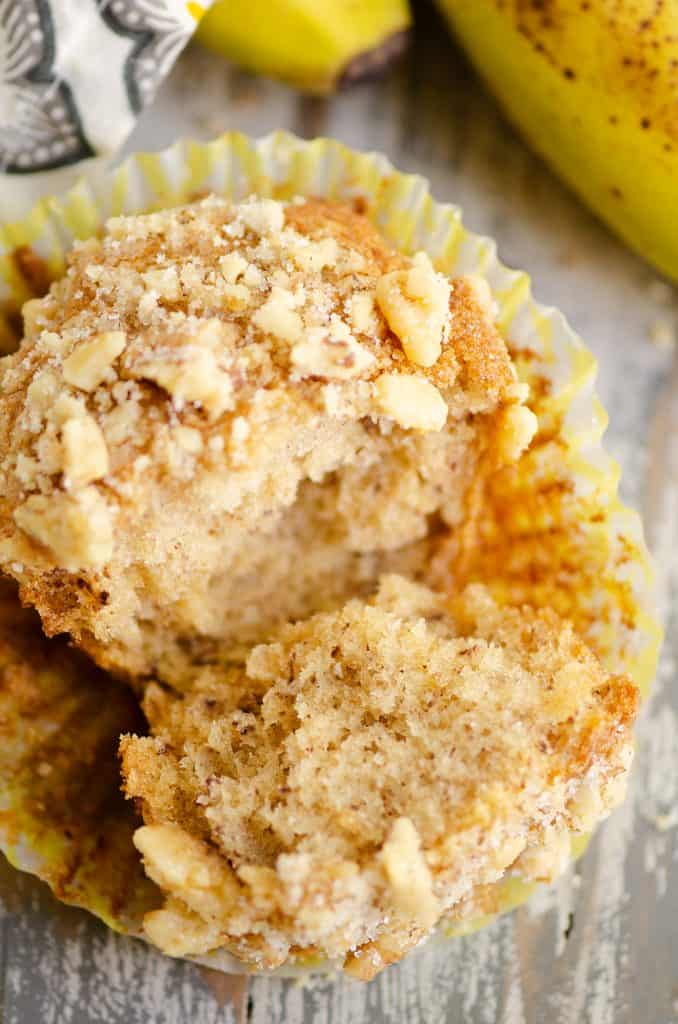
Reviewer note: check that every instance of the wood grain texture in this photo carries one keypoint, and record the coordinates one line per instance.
(602, 947)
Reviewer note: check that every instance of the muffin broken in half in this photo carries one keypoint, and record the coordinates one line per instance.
(366, 770)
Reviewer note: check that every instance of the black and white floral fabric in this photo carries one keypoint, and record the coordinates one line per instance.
(74, 75)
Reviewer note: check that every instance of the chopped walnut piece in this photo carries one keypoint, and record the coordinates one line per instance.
(52, 342)
(331, 352)
(415, 303)
(518, 427)
(192, 370)
(313, 256)
(41, 393)
(264, 216)
(164, 281)
(178, 931)
(195, 378)
(177, 861)
(76, 528)
(408, 874)
(278, 316)
(413, 402)
(89, 364)
(85, 452)
(232, 266)
(363, 313)
(33, 312)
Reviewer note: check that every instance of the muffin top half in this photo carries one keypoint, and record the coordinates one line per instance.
(225, 416)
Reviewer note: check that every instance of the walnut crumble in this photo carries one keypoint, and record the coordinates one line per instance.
(228, 415)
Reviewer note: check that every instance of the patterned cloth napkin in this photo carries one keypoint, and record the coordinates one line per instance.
(74, 76)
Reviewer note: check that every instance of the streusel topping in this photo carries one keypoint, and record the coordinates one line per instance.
(192, 370)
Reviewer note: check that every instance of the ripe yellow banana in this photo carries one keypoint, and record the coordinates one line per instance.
(315, 46)
(593, 86)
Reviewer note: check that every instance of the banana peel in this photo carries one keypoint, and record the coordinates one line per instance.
(593, 87)
(317, 47)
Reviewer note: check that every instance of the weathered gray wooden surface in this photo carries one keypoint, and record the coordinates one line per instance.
(603, 947)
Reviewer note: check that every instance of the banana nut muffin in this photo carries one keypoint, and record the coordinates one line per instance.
(226, 416)
(368, 771)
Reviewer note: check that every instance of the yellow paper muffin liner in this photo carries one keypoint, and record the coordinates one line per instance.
(552, 530)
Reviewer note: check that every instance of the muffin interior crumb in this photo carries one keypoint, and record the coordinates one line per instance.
(369, 768)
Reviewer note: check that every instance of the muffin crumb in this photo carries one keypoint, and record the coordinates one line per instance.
(478, 729)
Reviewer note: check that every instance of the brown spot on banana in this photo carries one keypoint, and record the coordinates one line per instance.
(592, 85)
(635, 41)
(373, 63)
